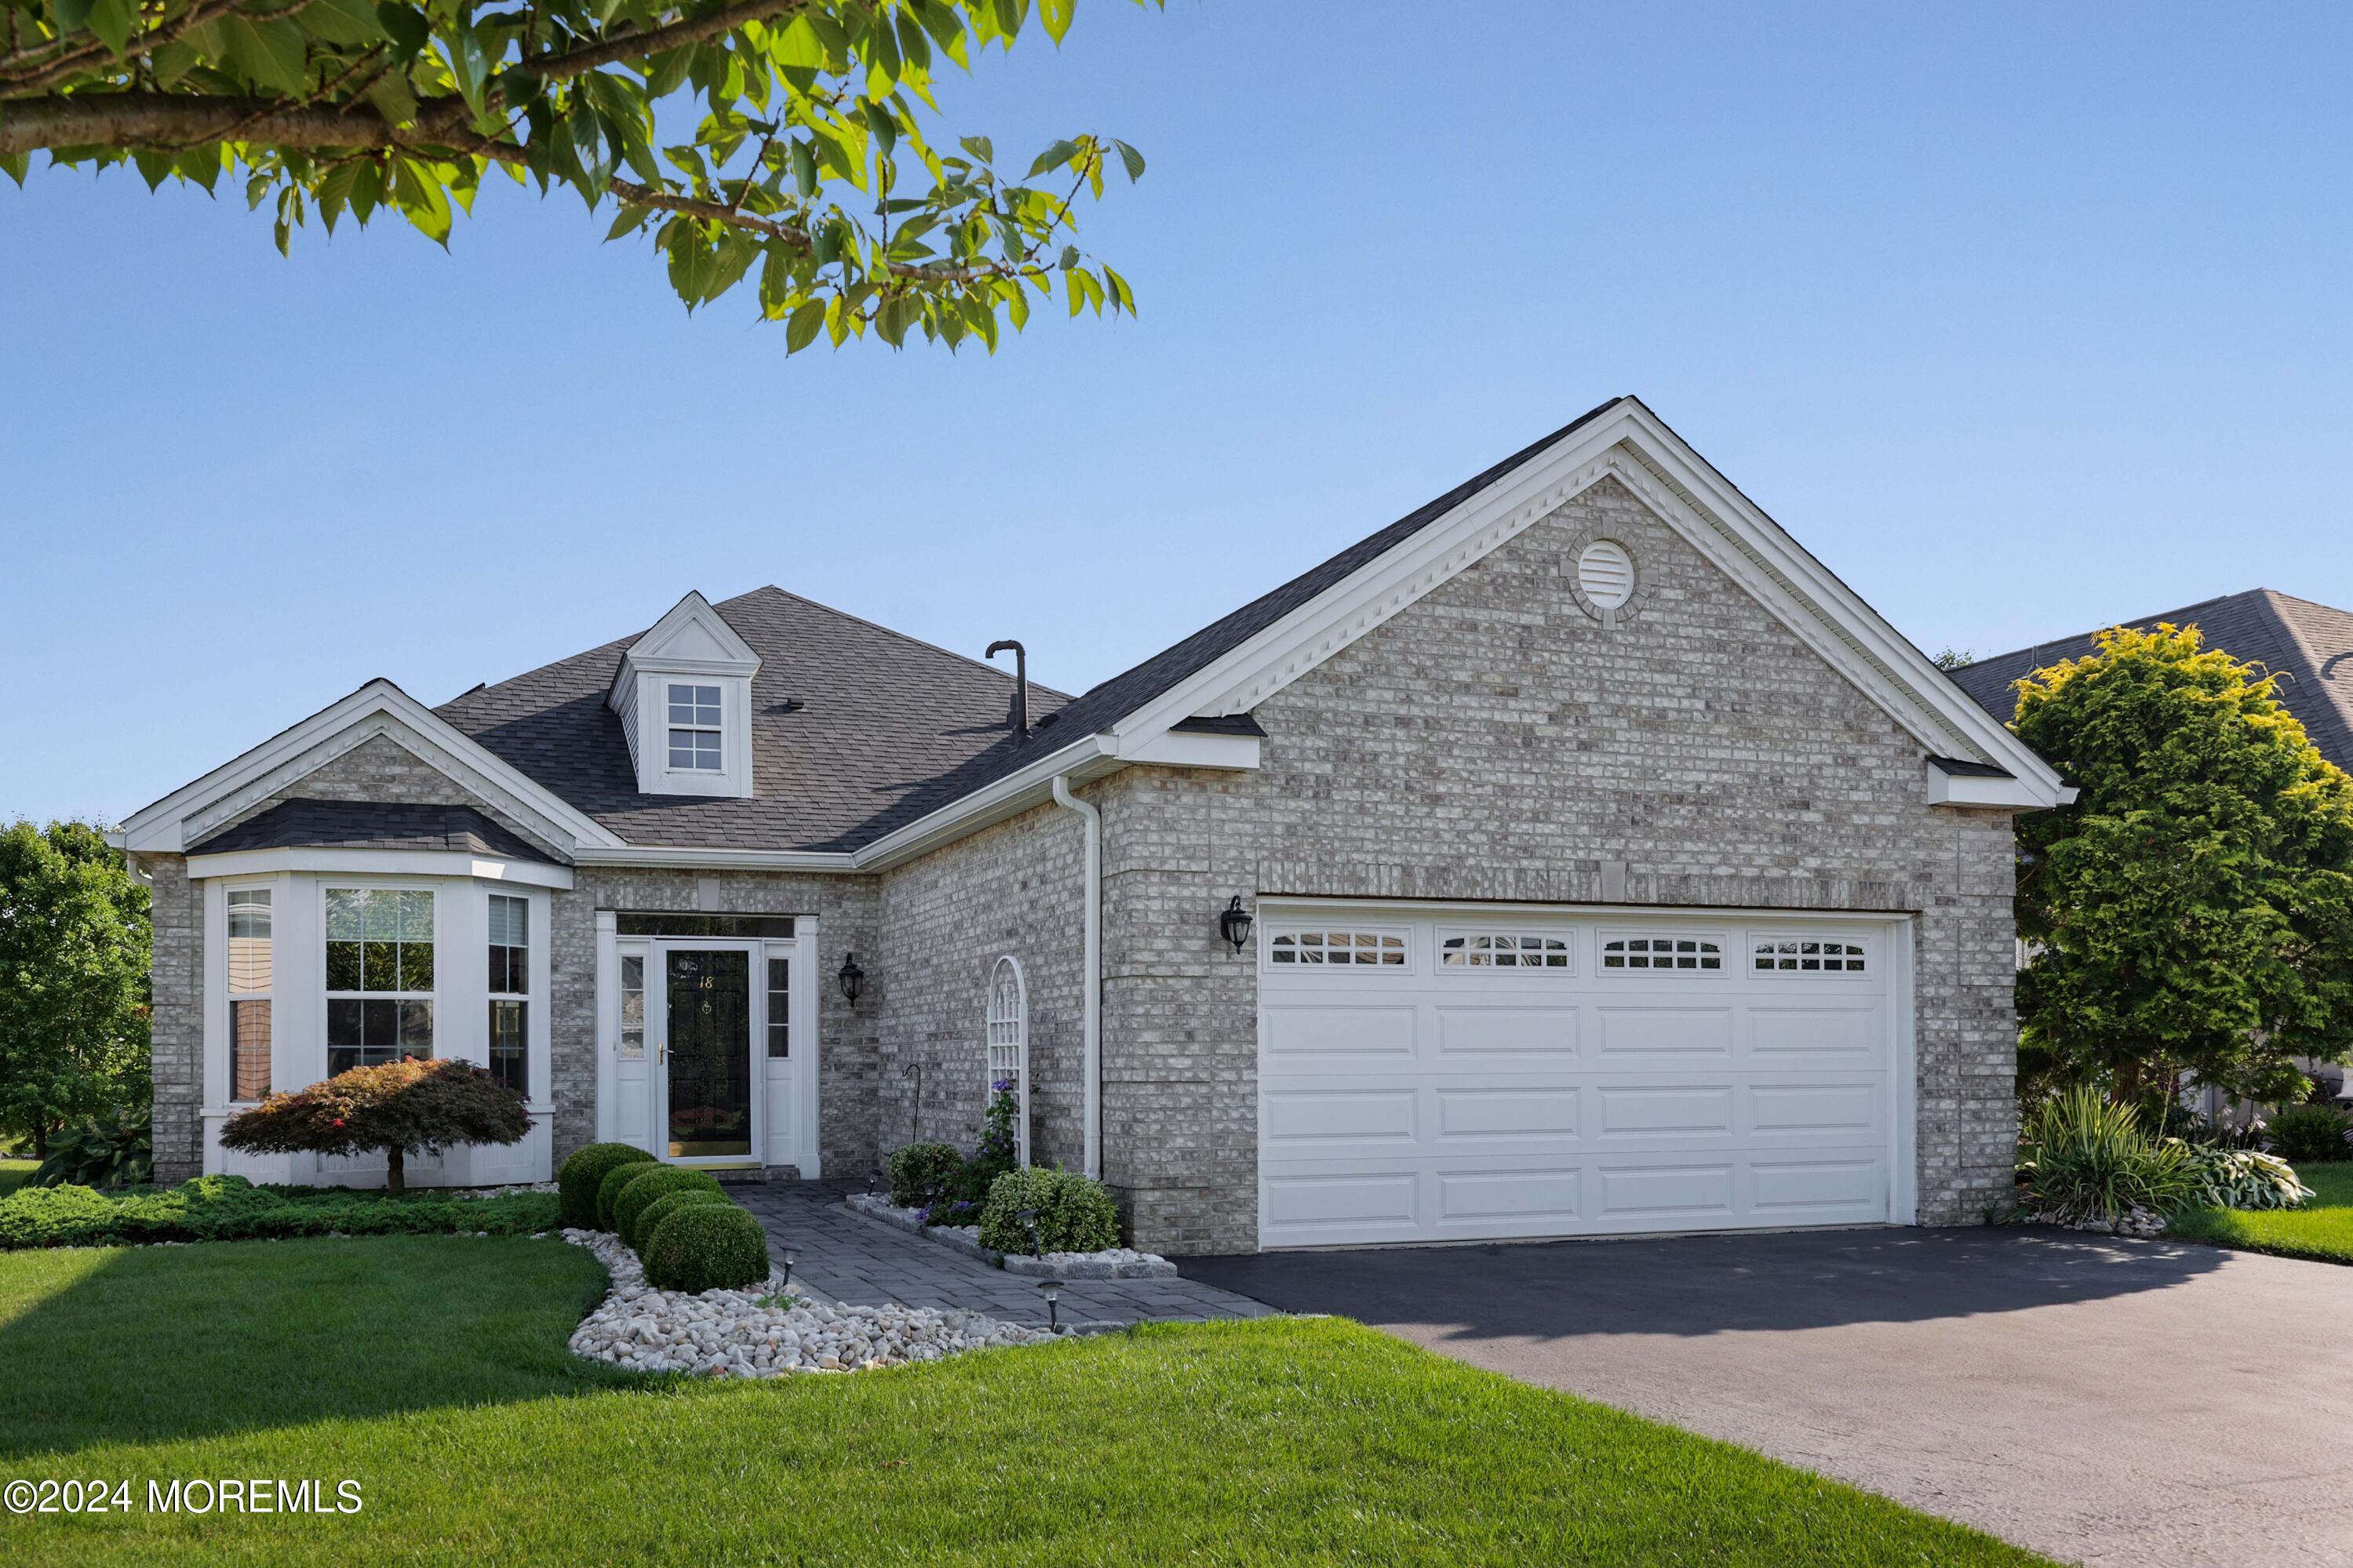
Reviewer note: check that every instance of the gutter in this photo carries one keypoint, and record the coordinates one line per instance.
(1092, 1007)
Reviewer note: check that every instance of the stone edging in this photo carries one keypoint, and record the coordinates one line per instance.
(1121, 1264)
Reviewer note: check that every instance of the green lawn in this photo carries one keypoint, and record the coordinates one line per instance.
(431, 1370)
(2322, 1228)
(13, 1174)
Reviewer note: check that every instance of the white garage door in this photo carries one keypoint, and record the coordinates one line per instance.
(1439, 1074)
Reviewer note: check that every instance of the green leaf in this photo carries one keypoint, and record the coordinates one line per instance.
(16, 166)
(352, 22)
(1053, 157)
(802, 330)
(405, 24)
(71, 14)
(200, 165)
(1056, 14)
(629, 221)
(882, 128)
(114, 21)
(272, 54)
(417, 192)
(368, 191)
(982, 149)
(804, 168)
(1132, 158)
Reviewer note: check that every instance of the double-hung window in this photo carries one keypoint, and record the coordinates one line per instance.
(250, 985)
(694, 728)
(379, 977)
(509, 991)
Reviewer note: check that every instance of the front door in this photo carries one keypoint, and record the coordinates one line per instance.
(707, 1076)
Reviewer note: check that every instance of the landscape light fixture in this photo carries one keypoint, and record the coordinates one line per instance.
(1052, 1290)
(852, 978)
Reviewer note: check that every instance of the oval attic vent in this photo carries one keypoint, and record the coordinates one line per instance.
(1605, 572)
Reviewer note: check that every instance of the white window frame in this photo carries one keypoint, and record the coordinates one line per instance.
(329, 884)
(532, 930)
(268, 994)
(1567, 951)
(1005, 1029)
(717, 729)
(1856, 939)
(1725, 949)
(1293, 931)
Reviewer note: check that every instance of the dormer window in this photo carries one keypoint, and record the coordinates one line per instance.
(683, 694)
(695, 729)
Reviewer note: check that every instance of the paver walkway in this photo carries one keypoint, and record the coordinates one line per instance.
(860, 1261)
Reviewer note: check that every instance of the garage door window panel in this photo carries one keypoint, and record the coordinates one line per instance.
(1676, 953)
(1333, 947)
(1493, 951)
(1807, 955)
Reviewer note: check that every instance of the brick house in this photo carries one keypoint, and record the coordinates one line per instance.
(1575, 855)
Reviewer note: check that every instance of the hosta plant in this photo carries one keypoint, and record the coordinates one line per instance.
(2245, 1179)
(2083, 1157)
(111, 1150)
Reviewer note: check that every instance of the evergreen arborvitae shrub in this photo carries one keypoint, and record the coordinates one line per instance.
(707, 1247)
(637, 1195)
(576, 1183)
(1073, 1213)
(668, 1203)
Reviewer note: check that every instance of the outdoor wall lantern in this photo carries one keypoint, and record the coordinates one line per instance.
(852, 978)
(1234, 925)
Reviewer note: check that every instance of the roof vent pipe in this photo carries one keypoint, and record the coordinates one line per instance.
(1020, 681)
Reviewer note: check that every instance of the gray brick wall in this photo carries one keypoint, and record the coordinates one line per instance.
(1495, 741)
(1017, 889)
(382, 770)
(178, 1024)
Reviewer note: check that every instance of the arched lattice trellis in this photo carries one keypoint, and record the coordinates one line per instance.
(1009, 1043)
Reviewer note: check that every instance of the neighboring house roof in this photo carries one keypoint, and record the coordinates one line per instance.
(852, 725)
(2307, 648)
(368, 824)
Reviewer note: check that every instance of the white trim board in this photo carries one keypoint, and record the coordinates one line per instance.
(1632, 444)
(185, 816)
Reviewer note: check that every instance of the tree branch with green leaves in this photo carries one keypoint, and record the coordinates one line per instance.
(810, 160)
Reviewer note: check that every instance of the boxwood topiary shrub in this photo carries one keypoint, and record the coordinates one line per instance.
(923, 1174)
(668, 1203)
(1074, 1212)
(609, 1186)
(576, 1183)
(707, 1247)
(657, 1182)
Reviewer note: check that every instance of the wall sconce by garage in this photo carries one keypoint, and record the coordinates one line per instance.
(852, 978)
(1234, 924)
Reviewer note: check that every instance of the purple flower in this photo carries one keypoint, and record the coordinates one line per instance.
(1003, 1085)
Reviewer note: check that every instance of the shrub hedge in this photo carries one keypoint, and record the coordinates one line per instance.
(609, 1186)
(923, 1174)
(231, 1208)
(576, 1183)
(655, 1182)
(668, 1203)
(707, 1247)
(1073, 1213)
(2303, 1133)
(2083, 1157)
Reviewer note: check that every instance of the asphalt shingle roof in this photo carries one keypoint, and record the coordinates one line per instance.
(858, 729)
(851, 722)
(2308, 646)
(369, 825)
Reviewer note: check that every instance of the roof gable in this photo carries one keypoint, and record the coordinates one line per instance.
(2306, 647)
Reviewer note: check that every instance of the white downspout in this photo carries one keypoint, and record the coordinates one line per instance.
(1091, 1010)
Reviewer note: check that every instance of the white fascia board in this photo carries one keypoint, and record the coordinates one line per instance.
(1835, 602)
(379, 863)
(664, 855)
(1083, 759)
(1192, 748)
(373, 710)
(1630, 444)
(1974, 789)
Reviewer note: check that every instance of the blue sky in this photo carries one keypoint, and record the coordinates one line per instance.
(2021, 318)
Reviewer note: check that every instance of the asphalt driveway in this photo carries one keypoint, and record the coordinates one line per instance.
(2106, 1402)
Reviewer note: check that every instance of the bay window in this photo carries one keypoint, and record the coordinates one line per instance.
(510, 984)
(380, 988)
(251, 984)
